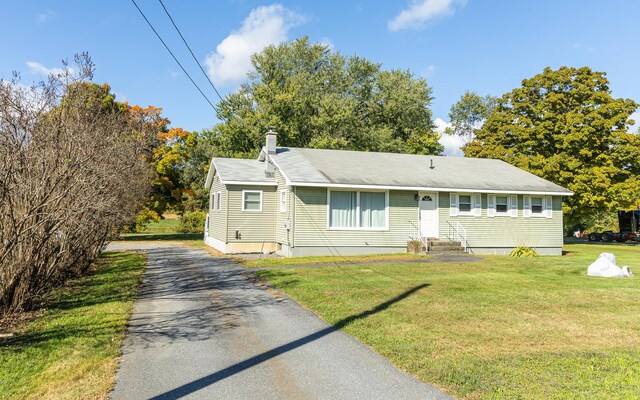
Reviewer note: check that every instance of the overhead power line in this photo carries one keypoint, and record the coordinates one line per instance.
(190, 51)
(172, 55)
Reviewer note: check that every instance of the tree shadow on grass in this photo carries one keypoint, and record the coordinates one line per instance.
(184, 276)
(67, 311)
(203, 382)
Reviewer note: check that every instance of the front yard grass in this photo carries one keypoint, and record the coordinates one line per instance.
(71, 349)
(281, 262)
(499, 328)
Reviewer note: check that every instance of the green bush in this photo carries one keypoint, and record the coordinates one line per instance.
(523, 251)
(192, 222)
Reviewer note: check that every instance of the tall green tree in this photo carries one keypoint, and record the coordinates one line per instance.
(565, 126)
(468, 114)
(316, 97)
(197, 153)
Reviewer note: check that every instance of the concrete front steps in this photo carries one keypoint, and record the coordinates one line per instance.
(444, 247)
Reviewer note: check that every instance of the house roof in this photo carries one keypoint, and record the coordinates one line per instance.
(239, 171)
(341, 168)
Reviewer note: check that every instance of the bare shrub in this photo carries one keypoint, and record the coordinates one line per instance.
(73, 171)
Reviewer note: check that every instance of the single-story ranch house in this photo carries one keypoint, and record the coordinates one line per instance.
(300, 202)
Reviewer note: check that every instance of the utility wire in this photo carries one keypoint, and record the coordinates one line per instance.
(172, 55)
(190, 51)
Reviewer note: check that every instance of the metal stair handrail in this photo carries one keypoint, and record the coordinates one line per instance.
(458, 233)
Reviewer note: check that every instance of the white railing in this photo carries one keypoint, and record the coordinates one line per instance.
(418, 235)
(458, 233)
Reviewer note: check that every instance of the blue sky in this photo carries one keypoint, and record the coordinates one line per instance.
(457, 45)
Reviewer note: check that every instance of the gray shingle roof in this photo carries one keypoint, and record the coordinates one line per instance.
(339, 167)
(241, 170)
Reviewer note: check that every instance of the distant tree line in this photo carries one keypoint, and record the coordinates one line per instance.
(563, 125)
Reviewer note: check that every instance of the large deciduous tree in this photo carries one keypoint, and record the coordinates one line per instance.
(565, 126)
(468, 114)
(316, 97)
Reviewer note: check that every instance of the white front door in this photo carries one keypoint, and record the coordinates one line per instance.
(429, 222)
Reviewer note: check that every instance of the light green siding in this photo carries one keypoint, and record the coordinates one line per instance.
(505, 231)
(311, 222)
(283, 235)
(252, 226)
(218, 218)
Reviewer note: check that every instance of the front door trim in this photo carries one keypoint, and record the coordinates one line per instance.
(429, 218)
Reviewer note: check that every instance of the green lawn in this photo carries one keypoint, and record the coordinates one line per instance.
(279, 262)
(167, 225)
(497, 328)
(165, 229)
(71, 350)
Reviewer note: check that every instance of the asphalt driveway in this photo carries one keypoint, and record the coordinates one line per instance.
(201, 330)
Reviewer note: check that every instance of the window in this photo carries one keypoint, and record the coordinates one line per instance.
(252, 200)
(502, 204)
(283, 200)
(372, 210)
(213, 201)
(218, 201)
(464, 203)
(536, 205)
(357, 210)
(342, 209)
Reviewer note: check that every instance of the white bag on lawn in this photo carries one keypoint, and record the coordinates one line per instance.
(605, 267)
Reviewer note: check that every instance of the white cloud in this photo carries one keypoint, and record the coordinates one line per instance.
(46, 16)
(325, 41)
(39, 69)
(451, 143)
(265, 25)
(431, 69)
(420, 12)
(580, 46)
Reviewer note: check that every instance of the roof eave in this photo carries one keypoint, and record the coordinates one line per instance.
(210, 175)
(427, 188)
(249, 183)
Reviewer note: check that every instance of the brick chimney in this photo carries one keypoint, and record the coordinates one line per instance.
(271, 150)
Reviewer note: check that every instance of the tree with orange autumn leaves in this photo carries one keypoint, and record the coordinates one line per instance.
(166, 157)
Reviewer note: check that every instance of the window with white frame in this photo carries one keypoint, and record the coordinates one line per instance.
(357, 210)
(464, 203)
(252, 200)
(218, 201)
(537, 205)
(502, 205)
(213, 201)
(283, 200)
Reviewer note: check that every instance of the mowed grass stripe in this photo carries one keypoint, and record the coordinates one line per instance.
(497, 328)
(71, 350)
